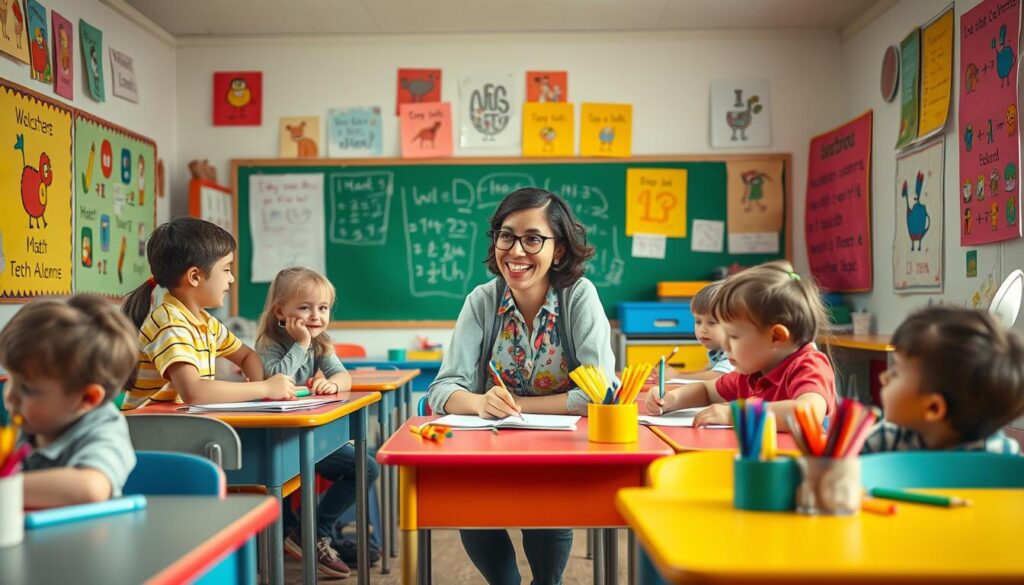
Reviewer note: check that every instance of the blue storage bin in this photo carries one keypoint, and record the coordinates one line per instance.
(653, 318)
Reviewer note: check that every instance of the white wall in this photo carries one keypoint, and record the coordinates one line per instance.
(861, 58)
(154, 68)
(665, 76)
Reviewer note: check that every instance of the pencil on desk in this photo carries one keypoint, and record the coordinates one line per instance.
(916, 498)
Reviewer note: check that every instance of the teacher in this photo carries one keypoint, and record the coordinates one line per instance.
(538, 320)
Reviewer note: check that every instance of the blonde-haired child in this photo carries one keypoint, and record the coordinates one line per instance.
(292, 340)
(770, 316)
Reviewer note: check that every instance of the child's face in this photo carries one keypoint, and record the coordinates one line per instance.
(211, 289)
(43, 404)
(708, 331)
(903, 400)
(312, 306)
(750, 349)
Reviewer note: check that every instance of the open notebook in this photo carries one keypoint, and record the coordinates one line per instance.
(678, 418)
(544, 422)
(267, 405)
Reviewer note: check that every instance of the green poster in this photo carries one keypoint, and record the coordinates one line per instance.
(910, 80)
(92, 58)
(115, 192)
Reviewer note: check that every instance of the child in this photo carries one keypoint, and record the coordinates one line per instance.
(67, 359)
(770, 316)
(293, 341)
(180, 341)
(709, 332)
(957, 378)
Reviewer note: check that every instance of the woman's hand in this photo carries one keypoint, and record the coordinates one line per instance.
(716, 414)
(297, 329)
(498, 403)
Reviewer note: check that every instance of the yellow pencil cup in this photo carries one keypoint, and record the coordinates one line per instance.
(612, 423)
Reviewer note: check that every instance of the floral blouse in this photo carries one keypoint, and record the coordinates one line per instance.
(531, 365)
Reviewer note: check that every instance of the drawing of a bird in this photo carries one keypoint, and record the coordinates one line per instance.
(239, 94)
(607, 137)
(548, 135)
(419, 87)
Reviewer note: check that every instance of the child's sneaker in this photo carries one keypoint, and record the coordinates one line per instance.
(293, 545)
(350, 552)
(328, 561)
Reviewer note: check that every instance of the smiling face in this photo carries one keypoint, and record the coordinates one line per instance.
(312, 305)
(213, 287)
(522, 271)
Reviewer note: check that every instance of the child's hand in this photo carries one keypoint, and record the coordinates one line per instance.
(298, 331)
(653, 404)
(280, 387)
(321, 385)
(716, 414)
(498, 403)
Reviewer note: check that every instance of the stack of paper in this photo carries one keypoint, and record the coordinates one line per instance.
(678, 418)
(266, 405)
(545, 422)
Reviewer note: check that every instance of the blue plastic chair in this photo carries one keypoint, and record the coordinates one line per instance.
(164, 473)
(942, 469)
(423, 407)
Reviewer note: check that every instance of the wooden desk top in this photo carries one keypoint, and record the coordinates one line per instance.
(381, 380)
(866, 342)
(303, 418)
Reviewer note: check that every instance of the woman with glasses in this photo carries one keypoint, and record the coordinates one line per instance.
(537, 320)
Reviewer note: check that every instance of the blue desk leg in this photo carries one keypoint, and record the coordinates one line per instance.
(275, 542)
(386, 487)
(404, 413)
(359, 420)
(307, 487)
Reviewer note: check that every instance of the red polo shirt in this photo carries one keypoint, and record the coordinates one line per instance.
(806, 370)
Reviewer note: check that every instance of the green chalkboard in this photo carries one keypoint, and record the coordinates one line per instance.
(406, 240)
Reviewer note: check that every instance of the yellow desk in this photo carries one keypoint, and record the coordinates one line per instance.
(708, 541)
(851, 356)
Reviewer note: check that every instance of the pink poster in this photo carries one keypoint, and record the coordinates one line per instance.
(988, 140)
(63, 59)
(426, 129)
(838, 213)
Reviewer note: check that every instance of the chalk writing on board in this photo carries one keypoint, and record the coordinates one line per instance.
(440, 238)
(590, 205)
(491, 189)
(360, 207)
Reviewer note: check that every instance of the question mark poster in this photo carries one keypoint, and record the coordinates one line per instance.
(988, 136)
(35, 214)
(115, 208)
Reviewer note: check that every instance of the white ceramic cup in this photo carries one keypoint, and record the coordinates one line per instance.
(861, 323)
(12, 512)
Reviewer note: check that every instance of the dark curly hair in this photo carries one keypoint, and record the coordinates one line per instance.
(567, 229)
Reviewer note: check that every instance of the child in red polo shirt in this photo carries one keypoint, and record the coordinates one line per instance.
(771, 317)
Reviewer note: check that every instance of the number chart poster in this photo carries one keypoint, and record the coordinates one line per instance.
(35, 214)
(838, 213)
(115, 207)
(988, 139)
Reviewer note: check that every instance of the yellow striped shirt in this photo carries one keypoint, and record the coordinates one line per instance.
(172, 334)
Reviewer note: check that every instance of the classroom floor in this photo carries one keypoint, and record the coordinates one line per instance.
(451, 566)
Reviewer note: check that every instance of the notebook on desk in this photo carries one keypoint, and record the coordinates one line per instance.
(678, 418)
(543, 422)
(266, 405)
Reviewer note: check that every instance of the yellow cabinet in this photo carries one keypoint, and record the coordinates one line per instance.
(691, 356)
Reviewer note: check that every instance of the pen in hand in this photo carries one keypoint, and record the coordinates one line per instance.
(494, 372)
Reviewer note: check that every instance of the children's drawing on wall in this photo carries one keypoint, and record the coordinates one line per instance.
(548, 129)
(606, 130)
(988, 144)
(237, 98)
(971, 258)
(918, 240)
(39, 42)
(354, 132)
(547, 86)
(755, 205)
(418, 86)
(426, 130)
(490, 112)
(740, 113)
(14, 40)
(63, 56)
(92, 59)
(300, 137)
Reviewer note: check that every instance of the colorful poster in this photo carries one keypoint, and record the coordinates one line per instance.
(837, 218)
(489, 113)
(547, 86)
(606, 130)
(548, 129)
(39, 42)
(35, 214)
(936, 73)
(286, 213)
(300, 137)
(910, 60)
(354, 132)
(426, 130)
(122, 69)
(656, 202)
(740, 113)
(14, 40)
(63, 56)
(918, 242)
(92, 59)
(988, 139)
(755, 203)
(238, 98)
(115, 207)
(418, 86)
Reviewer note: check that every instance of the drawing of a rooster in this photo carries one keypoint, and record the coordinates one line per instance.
(34, 183)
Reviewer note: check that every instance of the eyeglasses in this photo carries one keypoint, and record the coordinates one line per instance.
(531, 243)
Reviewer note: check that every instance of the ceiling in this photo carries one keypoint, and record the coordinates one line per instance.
(183, 18)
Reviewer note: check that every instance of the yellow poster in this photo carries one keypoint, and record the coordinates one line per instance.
(936, 73)
(606, 130)
(548, 129)
(754, 194)
(35, 211)
(656, 202)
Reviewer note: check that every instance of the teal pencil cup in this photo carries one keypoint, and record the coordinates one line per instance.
(768, 486)
(396, 355)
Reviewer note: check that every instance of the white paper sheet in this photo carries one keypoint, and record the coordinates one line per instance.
(286, 213)
(649, 246)
(678, 418)
(547, 422)
(708, 235)
(756, 243)
(267, 405)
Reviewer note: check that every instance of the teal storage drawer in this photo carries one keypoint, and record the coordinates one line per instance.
(656, 318)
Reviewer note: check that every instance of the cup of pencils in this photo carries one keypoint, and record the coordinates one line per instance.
(762, 480)
(612, 413)
(12, 514)
(830, 467)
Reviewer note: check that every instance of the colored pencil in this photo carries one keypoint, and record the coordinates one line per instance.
(916, 498)
(497, 376)
(770, 440)
(10, 465)
(661, 379)
(66, 514)
(878, 506)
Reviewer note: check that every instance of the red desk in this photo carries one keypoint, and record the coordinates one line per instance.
(457, 484)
